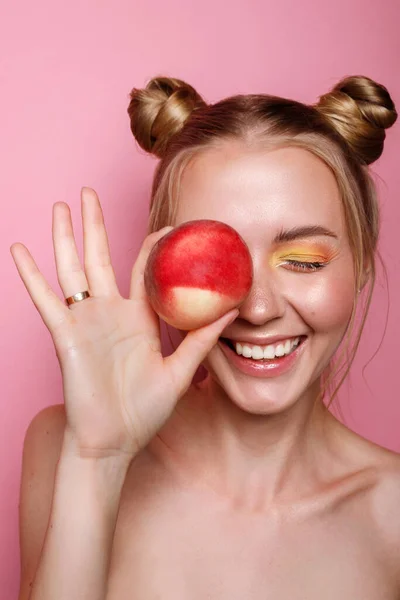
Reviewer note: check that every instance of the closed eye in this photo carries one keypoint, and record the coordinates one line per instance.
(305, 266)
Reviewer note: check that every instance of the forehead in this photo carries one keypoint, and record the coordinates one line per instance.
(260, 192)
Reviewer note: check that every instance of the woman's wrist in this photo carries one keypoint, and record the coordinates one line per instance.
(104, 472)
(71, 447)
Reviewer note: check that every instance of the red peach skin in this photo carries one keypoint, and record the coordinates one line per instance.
(198, 272)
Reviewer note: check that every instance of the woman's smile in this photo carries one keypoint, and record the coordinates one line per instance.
(286, 357)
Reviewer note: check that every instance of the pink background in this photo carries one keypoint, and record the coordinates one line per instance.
(65, 73)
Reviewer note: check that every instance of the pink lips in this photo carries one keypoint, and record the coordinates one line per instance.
(264, 368)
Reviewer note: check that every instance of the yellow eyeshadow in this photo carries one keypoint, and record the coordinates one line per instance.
(306, 253)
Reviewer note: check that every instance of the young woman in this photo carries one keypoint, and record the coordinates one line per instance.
(144, 485)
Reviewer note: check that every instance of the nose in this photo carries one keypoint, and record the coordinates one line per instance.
(265, 301)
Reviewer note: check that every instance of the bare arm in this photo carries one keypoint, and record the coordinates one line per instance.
(66, 520)
(75, 557)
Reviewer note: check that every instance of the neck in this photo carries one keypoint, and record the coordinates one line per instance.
(247, 458)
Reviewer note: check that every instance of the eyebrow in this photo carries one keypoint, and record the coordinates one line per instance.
(287, 235)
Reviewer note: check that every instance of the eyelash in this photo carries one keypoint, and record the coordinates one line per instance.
(306, 266)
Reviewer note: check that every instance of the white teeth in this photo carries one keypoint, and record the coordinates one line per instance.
(269, 351)
(266, 352)
(247, 351)
(257, 352)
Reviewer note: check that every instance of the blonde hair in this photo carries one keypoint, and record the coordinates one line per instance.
(345, 128)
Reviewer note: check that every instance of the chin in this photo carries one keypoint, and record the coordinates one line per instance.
(252, 395)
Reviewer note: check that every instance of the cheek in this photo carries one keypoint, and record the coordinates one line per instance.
(327, 306)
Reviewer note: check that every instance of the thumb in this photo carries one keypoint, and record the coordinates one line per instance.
(184, 362)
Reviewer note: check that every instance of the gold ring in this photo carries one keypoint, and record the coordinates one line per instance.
(77, 297)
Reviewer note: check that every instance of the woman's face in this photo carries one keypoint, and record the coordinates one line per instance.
(263, 194)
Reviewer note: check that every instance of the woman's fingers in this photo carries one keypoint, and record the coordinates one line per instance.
(137, 289)
(51, 308)
(184, 362)
(71, 277)
(98, 267)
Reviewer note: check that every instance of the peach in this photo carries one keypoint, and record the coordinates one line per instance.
(198, 272)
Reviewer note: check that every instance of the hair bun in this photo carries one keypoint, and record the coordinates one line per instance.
(160, 110)
(360, 110)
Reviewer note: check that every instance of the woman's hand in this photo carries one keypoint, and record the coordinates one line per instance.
(118, 388)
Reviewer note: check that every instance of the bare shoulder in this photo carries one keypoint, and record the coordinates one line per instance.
(46, 425)
(41, 452)
(384, 503)
(386, 496)
(42, 443)
(385, 466)
(381, 468)
(383, 500)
